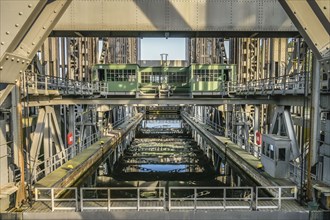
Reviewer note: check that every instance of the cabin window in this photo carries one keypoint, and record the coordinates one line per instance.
(206, 75)
(145, 77)
(121, 75)
(271, 151)
(281, 154)
(181, 77)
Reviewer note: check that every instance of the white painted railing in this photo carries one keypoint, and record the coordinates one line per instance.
(51, 84)
(50, 164)
(122, 198)
(54, 195)
(210, 198)
(295, 173)
(266, 201)
(280, 85)
(48, 84)
(156, 198)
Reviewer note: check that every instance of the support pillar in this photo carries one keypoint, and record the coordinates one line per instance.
(256, 128)
(315, 136)
(18, 142)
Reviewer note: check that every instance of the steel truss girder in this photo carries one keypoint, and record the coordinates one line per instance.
(311, 23)
(32, 34)
(46, 122)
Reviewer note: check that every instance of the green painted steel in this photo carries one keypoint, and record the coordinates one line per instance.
(131, 78)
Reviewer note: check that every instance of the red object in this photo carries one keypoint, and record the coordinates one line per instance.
(258, 138)
(70, 138)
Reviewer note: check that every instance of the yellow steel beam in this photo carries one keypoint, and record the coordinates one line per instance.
(17, 56)
(310, 24)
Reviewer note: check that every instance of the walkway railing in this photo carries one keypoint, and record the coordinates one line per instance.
(56, 85)
(55, 196)
(122, 198)
(156, 198)
(275, 85)
(50, 164)
(210, 198)
(265, 201)
(49, 84)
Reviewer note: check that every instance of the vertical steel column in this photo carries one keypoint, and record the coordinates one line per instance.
(18, 141)
(3, 153)
(47, 145)
(315, 135)
(256, 128)
(228, 112)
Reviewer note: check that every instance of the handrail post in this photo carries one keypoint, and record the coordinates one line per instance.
(169, 198)
(251, 199)
(257, 189)
(36, 194)
(224, 198)
(138, 199)
(195, 198)
(279, 197)
(81, 199)
(164, 199)
(76, 195)
(52, 198)
(109, 200)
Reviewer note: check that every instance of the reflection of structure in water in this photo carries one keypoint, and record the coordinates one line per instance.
(163, 154)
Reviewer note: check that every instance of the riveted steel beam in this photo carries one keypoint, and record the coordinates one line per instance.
(322, 10)
(41, 19)
(311, 24)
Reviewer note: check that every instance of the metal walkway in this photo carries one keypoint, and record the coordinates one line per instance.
(237, 156)
(36, 84)
(73, 169)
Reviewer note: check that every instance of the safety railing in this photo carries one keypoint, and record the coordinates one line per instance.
(156, 198)
(122, 198)
(121, 120)
(264, 200)
(34, 83)
(103, 87)
(210, 198)
(45, 166)
(212, 124)
(60, 198)
(295, 173)
(276, 85)
(254, 149)
(82, 144)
